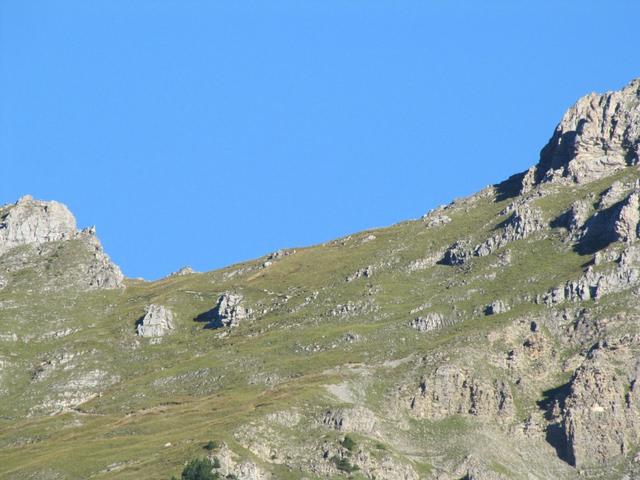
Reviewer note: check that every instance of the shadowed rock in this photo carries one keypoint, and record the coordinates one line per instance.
(599, 135)
(156, 323)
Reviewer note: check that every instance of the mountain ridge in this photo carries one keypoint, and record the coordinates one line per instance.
(496, 337)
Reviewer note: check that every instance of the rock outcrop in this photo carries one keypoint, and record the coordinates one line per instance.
(612, 195)
(626, 223)
(385, 468)
(496, 307)
(395, 375)
(427, 323)
(32, 222)
(524, 220)
(39, 224)
(575, 218)
(80, 388)
(101, 272)
(157, 322)
(451, 390)
(186, 270)
(457, 254)
(594, 284)
(230, 309)
(231, 466)
(366, 272)
(599, 135)
(601, 415)
(356, 419)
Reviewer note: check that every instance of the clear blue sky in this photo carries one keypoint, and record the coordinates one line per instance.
(209, 132)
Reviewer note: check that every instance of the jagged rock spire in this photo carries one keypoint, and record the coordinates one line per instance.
(597, 136)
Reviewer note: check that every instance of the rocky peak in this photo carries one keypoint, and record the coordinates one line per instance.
(597, 136)
(31, 221)
(40, 223)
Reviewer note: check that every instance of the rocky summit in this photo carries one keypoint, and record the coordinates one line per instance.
(497, 337)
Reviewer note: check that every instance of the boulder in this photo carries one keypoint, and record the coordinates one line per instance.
(230, 309)
(156, 323)
(457, 254)
(496, 307)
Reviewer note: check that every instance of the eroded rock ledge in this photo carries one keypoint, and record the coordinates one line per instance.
(41, 225)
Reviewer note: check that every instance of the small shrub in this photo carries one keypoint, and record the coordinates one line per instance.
(211, 445)
(348, 443)
(199, 469)
(344, 465)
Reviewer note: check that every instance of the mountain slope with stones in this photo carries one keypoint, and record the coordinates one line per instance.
(497, 337)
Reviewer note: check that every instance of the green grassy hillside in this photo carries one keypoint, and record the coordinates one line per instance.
(327, 352)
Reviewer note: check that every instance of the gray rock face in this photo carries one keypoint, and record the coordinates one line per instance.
(431, 321)
(626, 223)
(599, 420)
(578, 215)
(186, 270)
(357, 419)
(457, 254)
(611, 222)
(523, 222)
(156, 323)
(613, 195)
(366, 272)
(451, 390)
(231, 464)
(471, 468)
(385, 468)
(599, 135)
(432, 221)
(101, 271)
(496, 307)
(32, 222)
(39, 224)
(625, 274)
(230, 309)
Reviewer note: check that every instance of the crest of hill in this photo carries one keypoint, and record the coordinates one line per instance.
(496, 338)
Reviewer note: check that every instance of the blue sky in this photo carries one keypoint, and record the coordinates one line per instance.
(209, 132)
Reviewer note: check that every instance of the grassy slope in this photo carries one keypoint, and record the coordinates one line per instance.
(196, 386)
